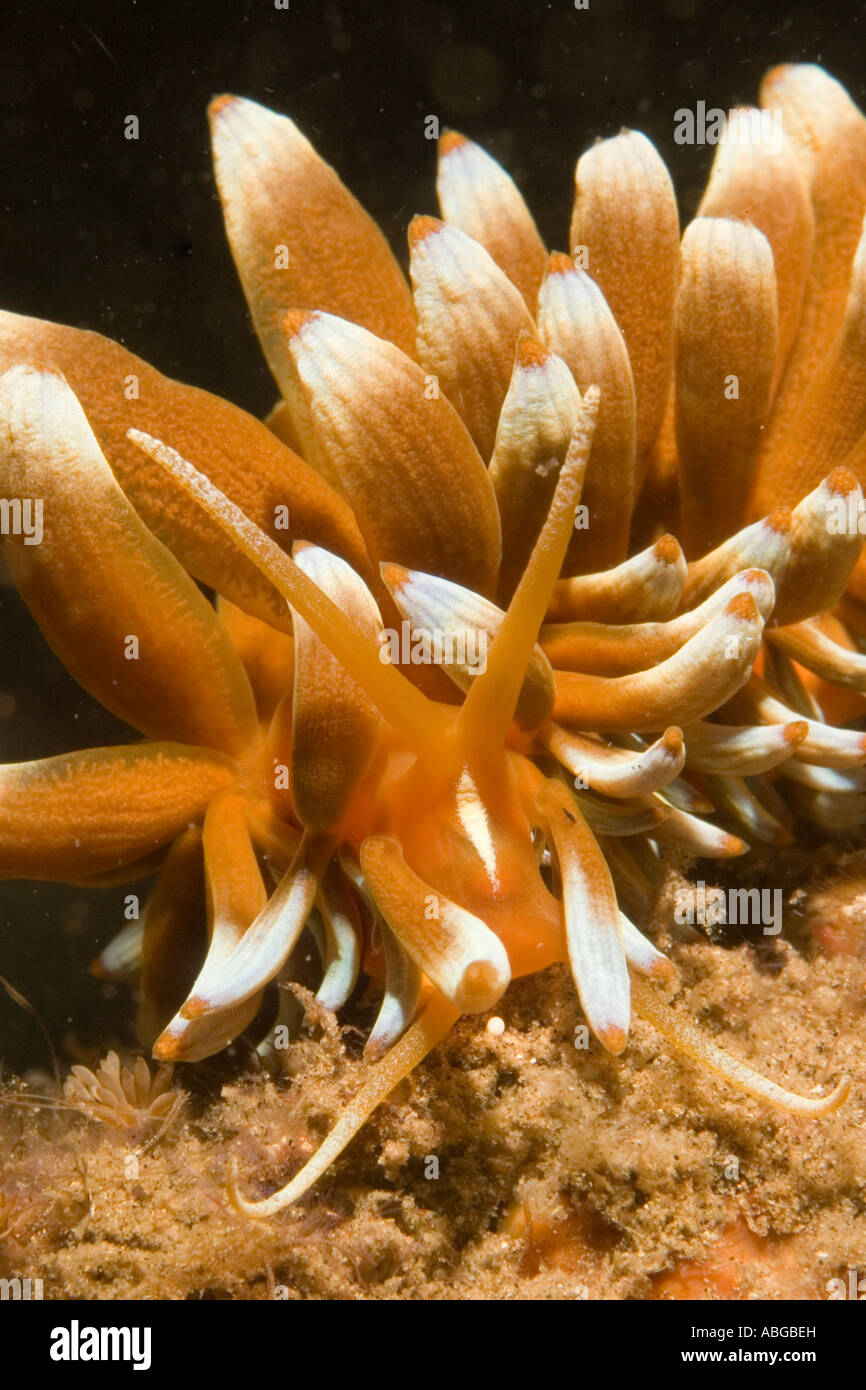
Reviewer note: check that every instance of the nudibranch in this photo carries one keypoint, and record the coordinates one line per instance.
(490, 464)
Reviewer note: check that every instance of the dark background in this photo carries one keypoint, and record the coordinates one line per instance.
(126, 237)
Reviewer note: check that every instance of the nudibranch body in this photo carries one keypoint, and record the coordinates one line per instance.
(494, 457)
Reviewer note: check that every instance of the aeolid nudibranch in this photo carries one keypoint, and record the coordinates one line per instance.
(449, 827)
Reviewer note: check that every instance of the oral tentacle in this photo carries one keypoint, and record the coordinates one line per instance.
(490, 704)
(685, 1038)
(399, 702)
(430, 1028)
(462, 624)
